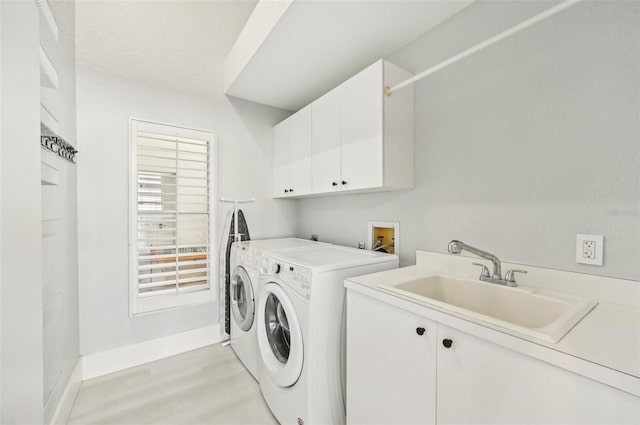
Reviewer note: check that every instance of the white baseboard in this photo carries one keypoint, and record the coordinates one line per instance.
(63, 409)
(98, 364)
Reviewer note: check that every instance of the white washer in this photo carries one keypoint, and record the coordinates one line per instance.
(301, 330)
(245, 260)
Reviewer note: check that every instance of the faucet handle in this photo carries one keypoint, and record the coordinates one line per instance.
(509, 277)
(485, 270)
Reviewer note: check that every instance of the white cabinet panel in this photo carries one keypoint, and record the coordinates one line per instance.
(361, 129)
(292, 155)
(391, 368)
(482, 383)
(326, 149)
(281, 158)
(300, 180)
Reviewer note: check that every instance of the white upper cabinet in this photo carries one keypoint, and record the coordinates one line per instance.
(301, 152)
(361, 140)
(362, 117)
(292, 155)
(325, 142)
(281, 158)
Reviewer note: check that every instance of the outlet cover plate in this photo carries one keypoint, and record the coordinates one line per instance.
(581, 255)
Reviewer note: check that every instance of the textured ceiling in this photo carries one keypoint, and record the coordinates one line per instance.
(173, 45)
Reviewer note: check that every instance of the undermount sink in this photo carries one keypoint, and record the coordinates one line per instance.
(538, 313)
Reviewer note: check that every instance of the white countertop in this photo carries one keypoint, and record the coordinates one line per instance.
(604, 346)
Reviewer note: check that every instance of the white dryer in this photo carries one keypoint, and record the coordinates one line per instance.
(245, 260)
(301, 330)
(243, 286)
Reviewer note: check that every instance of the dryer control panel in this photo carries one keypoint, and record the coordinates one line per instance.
(295, 277)
(249, 257)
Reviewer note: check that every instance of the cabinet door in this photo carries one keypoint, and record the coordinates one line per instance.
(300, 183)
(281, 158)
(391, 368)
(482, 383)
(361, 117)
(326, 162)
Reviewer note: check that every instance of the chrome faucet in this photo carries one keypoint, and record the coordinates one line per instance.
(456, 247)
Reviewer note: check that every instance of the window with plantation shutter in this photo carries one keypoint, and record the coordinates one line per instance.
(171, 233)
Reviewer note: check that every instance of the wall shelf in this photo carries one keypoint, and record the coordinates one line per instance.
(49, 176)
(48, 74)
(47, 20)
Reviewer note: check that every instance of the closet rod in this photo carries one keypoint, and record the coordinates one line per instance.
(513, 30)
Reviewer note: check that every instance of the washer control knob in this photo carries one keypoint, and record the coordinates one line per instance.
(275, 268)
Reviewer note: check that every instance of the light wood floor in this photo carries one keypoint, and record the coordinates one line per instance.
(205, 386)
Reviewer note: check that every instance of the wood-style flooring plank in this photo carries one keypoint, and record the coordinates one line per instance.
(205, 386)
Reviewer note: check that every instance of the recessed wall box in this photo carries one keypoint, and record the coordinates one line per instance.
(384, 236)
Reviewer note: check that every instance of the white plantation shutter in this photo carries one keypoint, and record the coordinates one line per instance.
(171, 198)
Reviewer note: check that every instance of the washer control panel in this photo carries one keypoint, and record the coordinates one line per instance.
(296, 277)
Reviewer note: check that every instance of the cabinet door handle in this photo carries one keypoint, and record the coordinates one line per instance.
(447, 342)
(344, 182)
(286, 191)
(290, 190)
(334, 184)
(420, 330)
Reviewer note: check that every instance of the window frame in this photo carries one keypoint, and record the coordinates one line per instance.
(141, 306)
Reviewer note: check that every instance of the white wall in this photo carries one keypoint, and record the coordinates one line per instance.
(519, 147)
(244, 149)
(21, 388)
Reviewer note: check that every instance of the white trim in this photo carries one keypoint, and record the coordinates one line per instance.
(204, 130)
(63, 409)
(395, 225)
(133, 262)
(99, 364)
(151, 305)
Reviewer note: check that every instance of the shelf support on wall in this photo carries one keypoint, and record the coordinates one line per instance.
(56, 144)
(496, 38)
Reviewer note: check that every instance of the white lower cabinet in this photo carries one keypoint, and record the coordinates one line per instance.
(395, 376)
(391, 364)
(481, 382)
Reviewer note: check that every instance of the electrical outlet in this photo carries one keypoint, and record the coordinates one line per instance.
(589, 249)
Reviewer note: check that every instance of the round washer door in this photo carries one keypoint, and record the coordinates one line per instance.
(242, 301)
(279, 336)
